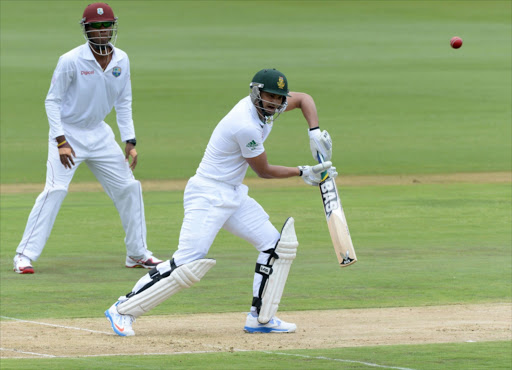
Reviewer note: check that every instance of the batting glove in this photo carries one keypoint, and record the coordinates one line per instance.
(320, 141)
(312, 175)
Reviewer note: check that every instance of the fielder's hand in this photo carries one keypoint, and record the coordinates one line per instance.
(320, 141)
(312, 175)
(66, 154)
(130, 151)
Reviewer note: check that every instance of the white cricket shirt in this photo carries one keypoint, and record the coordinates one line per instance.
(239, 135)
(81, 94)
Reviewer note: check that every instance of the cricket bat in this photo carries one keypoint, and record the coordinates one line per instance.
(336, 221)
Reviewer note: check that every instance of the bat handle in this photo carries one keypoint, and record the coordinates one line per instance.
(321, 160)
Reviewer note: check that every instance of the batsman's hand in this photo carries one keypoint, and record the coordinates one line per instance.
(320, 141)
(312, 175)
(130, 151)
(66, 154)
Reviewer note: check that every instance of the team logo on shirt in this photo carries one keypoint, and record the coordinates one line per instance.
(116, 71)
(252, 145)
(280, 83)
(99, 11)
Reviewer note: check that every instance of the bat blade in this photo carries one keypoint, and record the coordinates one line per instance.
(337, 223)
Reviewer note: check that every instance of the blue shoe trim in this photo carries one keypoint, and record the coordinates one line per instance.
(112, 324)
(262, 330)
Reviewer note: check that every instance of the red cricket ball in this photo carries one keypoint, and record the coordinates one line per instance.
(456, 42)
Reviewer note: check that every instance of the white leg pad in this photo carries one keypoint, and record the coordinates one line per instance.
(286, 249)
(183, 276)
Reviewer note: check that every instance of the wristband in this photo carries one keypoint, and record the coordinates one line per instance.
(314, 128)
(132, 141)
(61, 144)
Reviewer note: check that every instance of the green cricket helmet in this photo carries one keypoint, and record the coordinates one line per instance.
(271, 81)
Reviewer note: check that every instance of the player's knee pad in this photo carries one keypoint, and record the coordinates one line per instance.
(162, 282)
(275, 273)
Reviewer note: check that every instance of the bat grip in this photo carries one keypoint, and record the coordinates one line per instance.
(321, 160)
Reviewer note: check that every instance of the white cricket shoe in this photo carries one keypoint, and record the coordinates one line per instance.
(273, 326)
(145, 262)
(121, 324)
(22, 264)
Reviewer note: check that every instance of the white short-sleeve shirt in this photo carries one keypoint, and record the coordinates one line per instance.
(239, 135)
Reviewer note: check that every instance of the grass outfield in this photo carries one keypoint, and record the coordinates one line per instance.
(393, 94)
(403, 262)
(396, 100)
(417, 245)
(490, 355)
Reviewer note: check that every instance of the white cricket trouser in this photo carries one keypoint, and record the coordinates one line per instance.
(211, 205)
(99, 150)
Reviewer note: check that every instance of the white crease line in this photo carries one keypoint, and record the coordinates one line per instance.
(118, 354)
(25, 353)
(337, 359)
(206, 352)
(57, 326)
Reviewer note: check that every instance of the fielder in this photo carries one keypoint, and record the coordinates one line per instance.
(215, 198)
(87, 83)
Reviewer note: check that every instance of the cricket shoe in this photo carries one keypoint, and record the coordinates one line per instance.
(145, 262)
(22, 264)
(121, 324)
(252, 325)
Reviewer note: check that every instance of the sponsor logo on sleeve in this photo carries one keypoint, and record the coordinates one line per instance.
(252, 145)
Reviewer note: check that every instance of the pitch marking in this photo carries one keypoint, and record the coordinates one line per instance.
(56, 326)
(337, 360)
(25, 353)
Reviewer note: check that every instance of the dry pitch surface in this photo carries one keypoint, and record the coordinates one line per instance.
(223, 332)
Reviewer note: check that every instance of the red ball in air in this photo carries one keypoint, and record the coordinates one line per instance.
(456, 42)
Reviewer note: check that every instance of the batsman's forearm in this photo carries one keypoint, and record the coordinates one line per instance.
(279, 172)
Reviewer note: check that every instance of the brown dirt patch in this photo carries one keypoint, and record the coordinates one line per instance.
(223, 332)
(176, 185)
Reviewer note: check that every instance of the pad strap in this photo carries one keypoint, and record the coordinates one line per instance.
(265, 270)
(155, 276)
(150, 292)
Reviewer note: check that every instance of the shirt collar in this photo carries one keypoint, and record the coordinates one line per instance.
(256, 116)
(254, 111)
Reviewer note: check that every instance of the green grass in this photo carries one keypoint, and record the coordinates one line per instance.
(417, 245)
(461, 356)
(393, 94)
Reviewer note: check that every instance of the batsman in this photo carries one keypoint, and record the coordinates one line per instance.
(216, 198)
